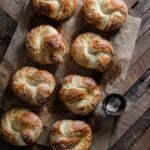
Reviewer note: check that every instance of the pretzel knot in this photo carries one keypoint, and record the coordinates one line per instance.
(91, 51)
(55, 9)
(21, 127)
(32, 85)
(71, 135)
(105, 15)
(45, 45)
(80, 94)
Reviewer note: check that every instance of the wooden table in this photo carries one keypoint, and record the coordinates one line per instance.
(132, 129)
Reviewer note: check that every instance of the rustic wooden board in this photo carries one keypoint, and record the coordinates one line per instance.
(138, 103)
(7, 28)
(130, 3)
(140, 65)
(140, 62)
(137, 70)
(143, 141)
(118, 42)
(128, 139)
(13, 7)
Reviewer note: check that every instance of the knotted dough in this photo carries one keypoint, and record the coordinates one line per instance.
(80, 94)
(21, 127)
(33, 85)
(70, 135)
(105, 15)
(55, 9)
(45, 45)
(91, 51)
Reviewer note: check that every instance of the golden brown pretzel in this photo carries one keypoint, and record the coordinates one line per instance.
(80, 94)
(91, 51)
(45, 45)
(20, 127)
(33, 85)
(70, 135)
(105, 14)
(55, 9)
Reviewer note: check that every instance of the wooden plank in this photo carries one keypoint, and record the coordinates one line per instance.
(140, 61)
(137, 70)
(137, 104)
(141, 8)
(143, 141)
(131, 3)
(129, 138)
(145, 25)
(13, 7)
(142, 43)
(7, 28)
(130, 117)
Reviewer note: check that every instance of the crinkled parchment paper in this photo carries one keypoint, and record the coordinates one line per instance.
(123, 42)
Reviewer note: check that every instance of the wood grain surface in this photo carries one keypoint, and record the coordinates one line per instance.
(131, 130)
(143, 141)
(140, 62)
(7, 27)
(137, 104)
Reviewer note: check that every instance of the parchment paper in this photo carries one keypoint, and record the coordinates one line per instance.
(15, 58)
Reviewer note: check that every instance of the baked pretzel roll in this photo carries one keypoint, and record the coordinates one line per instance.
(45, 45)
(21, 127)
(70, 135)
(55, 9)
(91, 51)
(33, 85)
(80, 94)
(105, 15)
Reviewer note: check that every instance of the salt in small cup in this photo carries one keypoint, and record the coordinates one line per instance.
(114, 104)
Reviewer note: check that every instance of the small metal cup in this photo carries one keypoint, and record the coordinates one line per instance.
(110, 100)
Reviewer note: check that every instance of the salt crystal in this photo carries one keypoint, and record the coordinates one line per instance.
(113, 105)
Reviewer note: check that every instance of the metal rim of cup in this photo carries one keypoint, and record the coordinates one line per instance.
(123, 104)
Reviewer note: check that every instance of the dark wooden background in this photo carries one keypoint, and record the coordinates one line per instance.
(132, 129)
